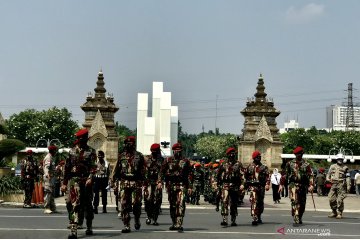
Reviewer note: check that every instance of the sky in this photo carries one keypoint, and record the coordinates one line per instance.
(208, 53)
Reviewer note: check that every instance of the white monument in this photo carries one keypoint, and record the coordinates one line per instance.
(162, 126)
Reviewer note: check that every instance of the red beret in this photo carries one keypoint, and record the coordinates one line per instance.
(229, 150)
(255, 154)
(29, 151)
(221, 161)
(197, 165)
(52, 148)
(81, 132)
(76, 142)
(298, 150)
(177, 146)
(129, 139)
(155, 147)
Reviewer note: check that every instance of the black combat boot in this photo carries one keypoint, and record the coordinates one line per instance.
(73, 232)
(224, 221)
(137, 223)
(233, 221)
(126, 229)
(104, 209)
(259, 220)
(96, 210)
(148, 221)
(89, 227)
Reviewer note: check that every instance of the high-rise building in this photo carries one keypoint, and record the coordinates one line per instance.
(336, 117)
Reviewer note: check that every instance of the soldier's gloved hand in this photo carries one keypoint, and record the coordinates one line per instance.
(159, 185)
(241, 187)
(88, 182)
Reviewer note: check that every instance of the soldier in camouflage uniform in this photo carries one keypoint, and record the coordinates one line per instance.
(230, 179)
(257, 182)
(207, 187)
(299, 175)
(215, 190)
(29, 174)
(130, 170)
(78, 178)
(176, 172)
(49, 177)
(153, 190)
(198, 182)
(339, 177)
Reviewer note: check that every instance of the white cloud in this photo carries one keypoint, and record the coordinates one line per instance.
(305, 14)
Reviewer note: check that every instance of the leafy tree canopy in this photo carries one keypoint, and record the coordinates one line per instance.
(30, 125)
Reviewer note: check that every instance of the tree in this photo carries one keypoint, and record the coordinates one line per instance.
(9, 147)
(30, 125)
(123, 132)
(214, 146)
(188, 141)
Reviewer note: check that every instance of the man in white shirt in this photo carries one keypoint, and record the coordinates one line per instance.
(275, 182)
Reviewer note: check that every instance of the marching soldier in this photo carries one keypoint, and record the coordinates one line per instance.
(339, 176)
(231, 180)
(299, 175)
(130, 172)
(257, 181)
(177, 174)
(153, 190)
(29, 174)
(215, 190)
(198, 182)
(49, 177)
(101, 181)
(78, 174)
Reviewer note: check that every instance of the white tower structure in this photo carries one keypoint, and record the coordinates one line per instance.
(162, 126)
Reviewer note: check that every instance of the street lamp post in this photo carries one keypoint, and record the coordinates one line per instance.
(348, 154)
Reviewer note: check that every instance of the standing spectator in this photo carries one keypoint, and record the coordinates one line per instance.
(357, 183)
(285, 191)
(320, 182)
(339, 177)
(275, 183)
(49, 180)
(101, 181)
(29, 172)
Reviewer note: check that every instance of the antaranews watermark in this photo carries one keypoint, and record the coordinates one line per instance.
(290, 230)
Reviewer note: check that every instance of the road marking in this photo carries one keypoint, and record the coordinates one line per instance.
(175, 232)
(11, 216)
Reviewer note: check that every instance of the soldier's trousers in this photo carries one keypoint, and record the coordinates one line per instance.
(257, 195)
(152, 201)
(336, 196)
(28, 188)
(176, 196)
(49, 201)
(298, 199)
(130, 200)
(195, 197)
(79, 204)
(229, 196)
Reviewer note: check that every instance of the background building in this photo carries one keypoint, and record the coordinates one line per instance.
(336, 117)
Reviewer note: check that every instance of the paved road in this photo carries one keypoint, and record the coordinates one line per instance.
(198, 224)
(201, 222)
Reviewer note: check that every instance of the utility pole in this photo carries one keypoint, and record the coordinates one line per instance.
(350, 123)
(216, 107)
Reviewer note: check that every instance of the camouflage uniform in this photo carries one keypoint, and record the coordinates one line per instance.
(176, 172)
(230, 180)
(299, 175)
(29, 173)
(257, 177)
(153, 194)
(198, 182)
(215, 190)
(78, 173)
(339, 176)
(130, 170)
